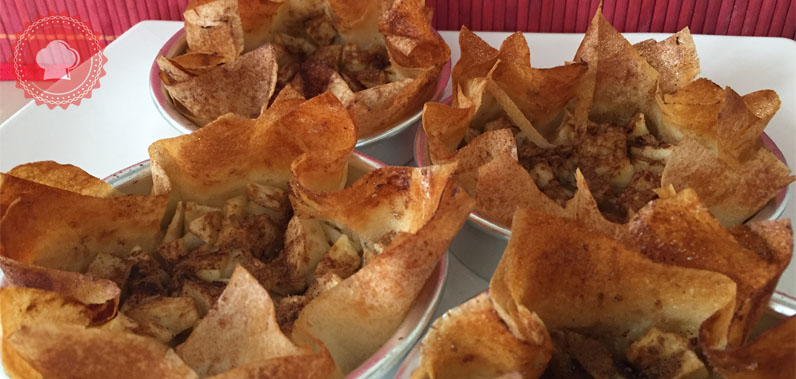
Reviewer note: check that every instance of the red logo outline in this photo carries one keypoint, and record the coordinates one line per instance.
(84, 87)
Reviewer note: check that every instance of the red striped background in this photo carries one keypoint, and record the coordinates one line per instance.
(774, 18)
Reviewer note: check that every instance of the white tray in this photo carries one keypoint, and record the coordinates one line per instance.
(114, 128)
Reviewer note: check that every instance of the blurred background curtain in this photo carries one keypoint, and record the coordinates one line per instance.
(773, 18)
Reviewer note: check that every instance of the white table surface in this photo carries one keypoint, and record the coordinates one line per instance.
(113, 129)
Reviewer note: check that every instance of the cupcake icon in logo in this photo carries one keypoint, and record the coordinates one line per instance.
(57, 59)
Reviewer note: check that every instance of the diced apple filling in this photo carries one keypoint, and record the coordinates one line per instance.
(167, 291)
(659, 354)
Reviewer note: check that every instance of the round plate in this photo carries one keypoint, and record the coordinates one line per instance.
(481, 234)
(137, 179)
(779, 310)
(393, 146)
